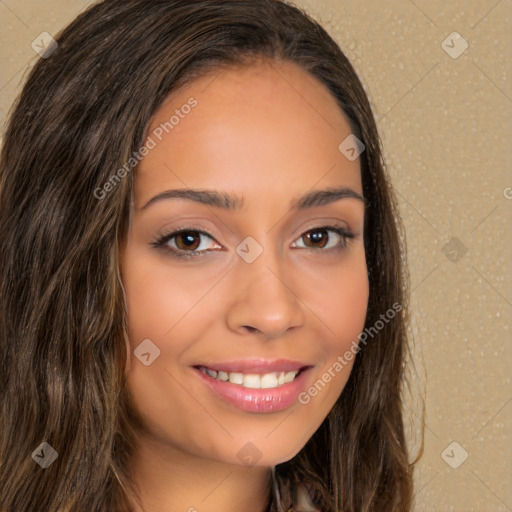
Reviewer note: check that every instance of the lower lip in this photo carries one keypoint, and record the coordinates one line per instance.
(257, 400)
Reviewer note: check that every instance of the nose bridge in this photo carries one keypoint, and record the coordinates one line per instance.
(262, 265)
(265, 298)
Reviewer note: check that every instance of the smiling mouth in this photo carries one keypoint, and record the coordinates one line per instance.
(253, 380)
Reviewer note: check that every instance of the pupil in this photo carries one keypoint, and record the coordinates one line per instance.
(317, 236)
(188, 239)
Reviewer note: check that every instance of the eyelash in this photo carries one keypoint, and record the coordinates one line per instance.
(161, 242)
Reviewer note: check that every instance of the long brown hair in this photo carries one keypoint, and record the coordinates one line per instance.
(83, 111)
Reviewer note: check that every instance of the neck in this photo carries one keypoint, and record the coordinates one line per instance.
(170, 480)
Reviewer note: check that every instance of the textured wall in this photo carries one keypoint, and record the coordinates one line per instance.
(443, 103)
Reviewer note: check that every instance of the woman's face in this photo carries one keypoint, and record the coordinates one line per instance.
(267, 287)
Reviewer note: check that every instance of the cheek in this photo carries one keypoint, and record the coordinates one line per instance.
(158, 296)
(167, 310)
(340, 303)
(338, 298)
(153, 311)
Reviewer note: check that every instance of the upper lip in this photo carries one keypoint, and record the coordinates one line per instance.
(256, 365)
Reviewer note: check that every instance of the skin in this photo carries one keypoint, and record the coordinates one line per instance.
(254, 135)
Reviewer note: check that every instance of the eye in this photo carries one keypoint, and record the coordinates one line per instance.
(318, 238)
(185, 242)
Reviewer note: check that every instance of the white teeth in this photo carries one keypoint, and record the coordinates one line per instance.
(289, 376)
(236, 378)
(268, 380)
(211, 373)
(253, 380)
(223, 376)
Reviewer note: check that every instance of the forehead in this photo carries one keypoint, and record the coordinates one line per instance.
(266, 128)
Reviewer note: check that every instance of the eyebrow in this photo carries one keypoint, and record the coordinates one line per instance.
(232, 202)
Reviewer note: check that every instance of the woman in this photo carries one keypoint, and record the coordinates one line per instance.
(203, 288)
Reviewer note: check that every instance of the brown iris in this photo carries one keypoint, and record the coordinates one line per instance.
(188, 239)
(314, 237)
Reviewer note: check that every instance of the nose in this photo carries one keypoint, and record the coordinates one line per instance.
(263, 298)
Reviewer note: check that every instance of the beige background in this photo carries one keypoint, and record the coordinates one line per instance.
(446, 127)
